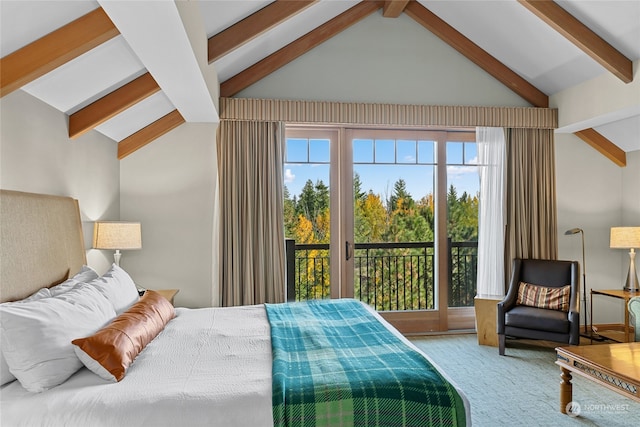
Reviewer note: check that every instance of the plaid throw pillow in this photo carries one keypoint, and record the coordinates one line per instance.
(544, 297)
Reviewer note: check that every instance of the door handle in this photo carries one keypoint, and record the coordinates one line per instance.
(347, 247)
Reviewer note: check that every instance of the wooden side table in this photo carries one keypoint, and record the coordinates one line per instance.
(622, 335)
(486, 318)
(167, 293)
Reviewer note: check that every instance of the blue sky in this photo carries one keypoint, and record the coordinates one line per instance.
(409, 160)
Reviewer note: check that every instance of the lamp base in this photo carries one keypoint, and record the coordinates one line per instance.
(116, 257)
(631, 284)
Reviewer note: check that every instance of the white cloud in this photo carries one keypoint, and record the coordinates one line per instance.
(462, 170)
(288, 176)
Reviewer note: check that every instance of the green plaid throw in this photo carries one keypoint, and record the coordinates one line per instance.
(335, 364)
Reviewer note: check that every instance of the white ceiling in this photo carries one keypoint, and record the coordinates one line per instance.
(503, 28)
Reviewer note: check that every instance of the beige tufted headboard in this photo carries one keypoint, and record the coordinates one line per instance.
(41, 242)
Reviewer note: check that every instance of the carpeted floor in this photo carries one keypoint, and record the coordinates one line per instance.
(522, 388)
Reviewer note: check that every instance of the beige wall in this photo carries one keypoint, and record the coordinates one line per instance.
(631, 189)
(169, 186)
(590, 196)
(385, 60)
(37, 156)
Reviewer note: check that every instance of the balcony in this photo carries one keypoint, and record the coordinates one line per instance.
(388, 276)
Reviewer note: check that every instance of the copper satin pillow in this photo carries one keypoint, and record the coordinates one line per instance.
(111, 350)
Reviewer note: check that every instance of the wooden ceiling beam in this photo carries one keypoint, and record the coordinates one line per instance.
(149, 133)
(253, 25)
(476, 54)
(394, 8)
(297, 48)
(581, 36)
(603, 145)
(98, 112)
(56, 48)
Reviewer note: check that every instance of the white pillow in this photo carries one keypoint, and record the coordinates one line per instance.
(118, 287)
(86, 274)
(5, 375)
(39, 294)
(36, 335)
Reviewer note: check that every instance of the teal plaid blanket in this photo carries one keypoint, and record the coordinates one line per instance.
(335, 364)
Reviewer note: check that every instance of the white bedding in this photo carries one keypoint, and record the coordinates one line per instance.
(208, 367)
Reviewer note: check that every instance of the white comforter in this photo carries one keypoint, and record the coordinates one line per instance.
(207, 367)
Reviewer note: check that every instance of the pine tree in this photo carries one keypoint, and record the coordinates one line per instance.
(358, 194)
(306, 202)
(400, 200)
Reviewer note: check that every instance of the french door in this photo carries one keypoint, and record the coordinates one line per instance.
(368, 210)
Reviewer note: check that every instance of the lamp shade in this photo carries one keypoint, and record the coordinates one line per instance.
(117, 235)
(625, 237)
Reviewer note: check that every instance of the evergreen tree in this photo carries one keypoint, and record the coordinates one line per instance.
(358, 194)
(322, 197)
(400, 200)
(289, 211)
(306, 205)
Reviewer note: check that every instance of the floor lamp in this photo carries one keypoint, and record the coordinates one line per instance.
(584, 280)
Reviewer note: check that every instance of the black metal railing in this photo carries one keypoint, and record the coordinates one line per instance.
(388, 276)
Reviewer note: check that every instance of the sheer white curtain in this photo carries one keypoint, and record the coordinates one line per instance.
(491, 221)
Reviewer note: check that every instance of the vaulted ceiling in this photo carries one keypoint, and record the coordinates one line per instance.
(134, 70)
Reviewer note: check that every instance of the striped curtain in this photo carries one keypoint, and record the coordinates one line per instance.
(531, 230)
(250, 162)
(352, 113)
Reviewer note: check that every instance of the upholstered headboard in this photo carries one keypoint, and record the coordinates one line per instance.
(41, 242)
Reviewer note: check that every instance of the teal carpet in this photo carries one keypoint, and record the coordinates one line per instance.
(522, 388)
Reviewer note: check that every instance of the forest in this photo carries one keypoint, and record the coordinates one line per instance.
(394, 253)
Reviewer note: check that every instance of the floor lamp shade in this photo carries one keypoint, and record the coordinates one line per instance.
(117, 235)
(627, 238)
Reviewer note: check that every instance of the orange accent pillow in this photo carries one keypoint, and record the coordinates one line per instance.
(111, 350)
(544, 297)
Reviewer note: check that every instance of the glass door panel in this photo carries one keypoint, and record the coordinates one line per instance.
(393, 222)
(463, 196)
(392, 205)
(307, 212)
(462, 225)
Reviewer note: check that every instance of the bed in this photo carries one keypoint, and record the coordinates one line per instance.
(263, 365)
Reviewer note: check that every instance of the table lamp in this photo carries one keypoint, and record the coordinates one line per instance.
(118, 235)
(627, 238)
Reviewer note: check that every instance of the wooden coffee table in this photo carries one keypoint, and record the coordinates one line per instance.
(615, 366)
